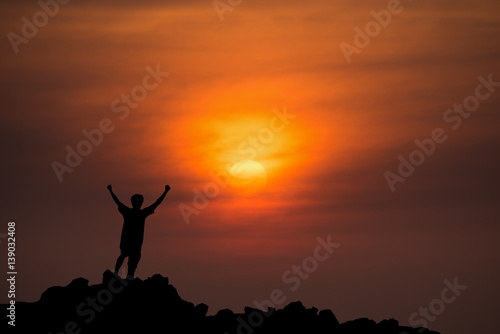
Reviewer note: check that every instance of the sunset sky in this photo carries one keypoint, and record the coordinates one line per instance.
(313, 134)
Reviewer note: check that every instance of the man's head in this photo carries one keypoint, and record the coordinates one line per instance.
(137, 201)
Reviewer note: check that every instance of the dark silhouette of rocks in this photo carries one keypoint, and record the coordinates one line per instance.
(154, 306)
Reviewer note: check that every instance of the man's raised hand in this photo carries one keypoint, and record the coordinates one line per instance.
(110, 188)
(167, 188)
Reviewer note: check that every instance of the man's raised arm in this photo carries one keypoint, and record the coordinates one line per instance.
(160, 199)
(117, 201)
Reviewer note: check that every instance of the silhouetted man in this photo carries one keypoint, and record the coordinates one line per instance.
(133, 229)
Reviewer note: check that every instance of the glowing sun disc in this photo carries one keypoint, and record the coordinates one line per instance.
(248, 177)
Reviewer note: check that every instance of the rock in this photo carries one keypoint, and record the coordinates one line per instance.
(153, 305)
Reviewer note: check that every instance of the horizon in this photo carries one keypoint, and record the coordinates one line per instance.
(372, 125)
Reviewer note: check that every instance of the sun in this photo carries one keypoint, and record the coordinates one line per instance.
(248, 177)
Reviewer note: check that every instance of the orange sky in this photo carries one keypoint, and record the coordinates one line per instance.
(324, 167)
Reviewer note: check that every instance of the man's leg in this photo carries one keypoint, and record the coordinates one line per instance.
(133, 261)
(119, 262)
